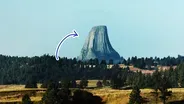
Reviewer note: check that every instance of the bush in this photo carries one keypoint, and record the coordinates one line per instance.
(99, 84)
(84, 97)
(73, 84)
(26, 99)
(44, 85)
(106, 83)
(83, 83)
(31, 83)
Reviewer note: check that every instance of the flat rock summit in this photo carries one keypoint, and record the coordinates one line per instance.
(97, 45)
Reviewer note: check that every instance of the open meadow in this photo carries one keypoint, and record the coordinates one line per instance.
(13, 93)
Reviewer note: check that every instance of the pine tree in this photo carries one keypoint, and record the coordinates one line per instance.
(73, 84)
(31, 83)
(83, 83)
(55, 95)
(105, 82)
(173, 77)
(156, 80)
(181, 75)
(99, 84)
(26, 99)
(116, 81)
(135, 97)
(139, 80)
(164, 85)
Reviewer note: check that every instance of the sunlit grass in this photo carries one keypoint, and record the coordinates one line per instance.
(14, 93)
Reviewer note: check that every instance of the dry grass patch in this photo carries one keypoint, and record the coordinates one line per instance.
(14, 93)
(112, 96)
(6, 88)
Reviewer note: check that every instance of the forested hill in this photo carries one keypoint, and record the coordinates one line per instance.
(17, 70)
(148, 62)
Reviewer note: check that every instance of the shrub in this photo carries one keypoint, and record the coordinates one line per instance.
(26, 99)
(99, 84)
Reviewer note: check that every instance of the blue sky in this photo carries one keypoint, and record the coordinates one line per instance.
(140, 28)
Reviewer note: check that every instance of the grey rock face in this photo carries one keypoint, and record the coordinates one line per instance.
(97, 45)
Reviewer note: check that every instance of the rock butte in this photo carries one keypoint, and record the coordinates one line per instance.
(97, 45)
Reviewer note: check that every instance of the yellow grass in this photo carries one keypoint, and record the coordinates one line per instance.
(110, 96)
(5, 88)
(14, 93)
(91, 83)
(37, 98)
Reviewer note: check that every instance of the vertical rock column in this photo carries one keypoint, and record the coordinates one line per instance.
(97, 45)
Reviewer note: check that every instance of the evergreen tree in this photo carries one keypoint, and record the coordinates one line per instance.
(54, 95)
(31, 83)
(173, 77)
(139, 80)
(105, 82)
(84, 97)
(180, 70)
(73, 84)
(135, 97)
(99, 84)
(83, 83)
(156, 82)
(26, 99)
(103, 62)
(164, 85)
(124, 62)
(50, 97)
(65, 83)
(116, 81)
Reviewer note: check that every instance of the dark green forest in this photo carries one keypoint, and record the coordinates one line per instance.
(21, 70)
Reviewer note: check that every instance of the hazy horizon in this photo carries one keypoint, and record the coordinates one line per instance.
(140, 28)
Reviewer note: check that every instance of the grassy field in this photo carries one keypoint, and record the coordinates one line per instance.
(14, 93)
(112, 96)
